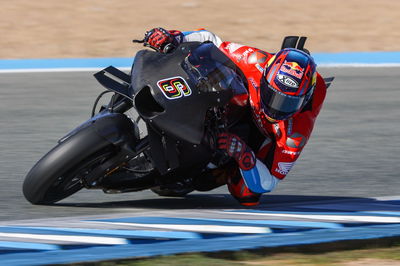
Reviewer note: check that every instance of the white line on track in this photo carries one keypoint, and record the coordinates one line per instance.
(338, 65)
(343, 218)
(70, 238)
(45, 70)
(201, 228)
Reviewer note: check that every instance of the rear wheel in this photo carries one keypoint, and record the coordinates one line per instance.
(60, 173)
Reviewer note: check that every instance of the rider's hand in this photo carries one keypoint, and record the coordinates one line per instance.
(237, 149)
(162, 40)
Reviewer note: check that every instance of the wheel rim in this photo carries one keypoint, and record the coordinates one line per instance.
(73, 180)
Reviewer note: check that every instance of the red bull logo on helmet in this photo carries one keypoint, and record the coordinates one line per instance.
(292, 68)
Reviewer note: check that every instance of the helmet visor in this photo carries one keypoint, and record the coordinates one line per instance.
(278, 105)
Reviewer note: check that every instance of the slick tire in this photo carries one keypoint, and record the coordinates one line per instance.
(58, 174)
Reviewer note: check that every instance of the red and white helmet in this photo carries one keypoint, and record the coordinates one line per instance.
(287, 84)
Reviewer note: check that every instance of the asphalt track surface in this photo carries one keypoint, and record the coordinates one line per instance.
(354, 150)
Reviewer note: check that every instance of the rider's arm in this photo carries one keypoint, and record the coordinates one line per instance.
(201, 36)
(259, 179)
(164, 41)
(277, 155)
(255, 174)
(290, 138)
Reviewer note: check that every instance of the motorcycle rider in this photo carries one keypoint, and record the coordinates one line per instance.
(285, 95)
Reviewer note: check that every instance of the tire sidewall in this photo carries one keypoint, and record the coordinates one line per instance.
(64, 157)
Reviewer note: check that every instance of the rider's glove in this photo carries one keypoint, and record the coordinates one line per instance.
(163, 40)
(237, 149)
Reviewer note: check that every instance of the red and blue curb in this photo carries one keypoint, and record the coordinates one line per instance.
(122, 236)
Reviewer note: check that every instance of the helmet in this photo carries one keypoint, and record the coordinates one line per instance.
(287, 84)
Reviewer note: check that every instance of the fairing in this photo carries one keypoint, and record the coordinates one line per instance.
(172, 92)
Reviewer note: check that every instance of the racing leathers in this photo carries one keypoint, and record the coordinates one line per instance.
(276, 144)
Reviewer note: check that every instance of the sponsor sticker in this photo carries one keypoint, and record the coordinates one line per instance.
(260, 68)
(293, 69)
(296, 140)
(290, 126)
(291, 152)
(174, 88)
(287, 81)
(245, 54)
(277, 129)
(232, 47)
(258, 57)
(253, 82)
(284, 167)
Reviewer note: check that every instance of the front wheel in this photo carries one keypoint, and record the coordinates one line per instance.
(60, 173)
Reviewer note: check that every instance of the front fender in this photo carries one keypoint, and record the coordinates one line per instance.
(116, 128)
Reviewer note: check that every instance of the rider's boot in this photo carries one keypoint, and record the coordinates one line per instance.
(238, 189)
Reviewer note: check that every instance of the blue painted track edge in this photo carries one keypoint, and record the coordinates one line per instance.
(322, 59)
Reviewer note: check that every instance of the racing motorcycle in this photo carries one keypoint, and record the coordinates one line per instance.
(182, 99)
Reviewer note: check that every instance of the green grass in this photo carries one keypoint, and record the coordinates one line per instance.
(382, 251)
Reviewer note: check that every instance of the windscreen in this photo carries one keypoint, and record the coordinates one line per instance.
(211, 70)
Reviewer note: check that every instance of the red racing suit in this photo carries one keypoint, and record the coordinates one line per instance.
(281, 143)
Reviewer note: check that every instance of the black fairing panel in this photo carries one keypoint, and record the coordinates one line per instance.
(181, 117)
